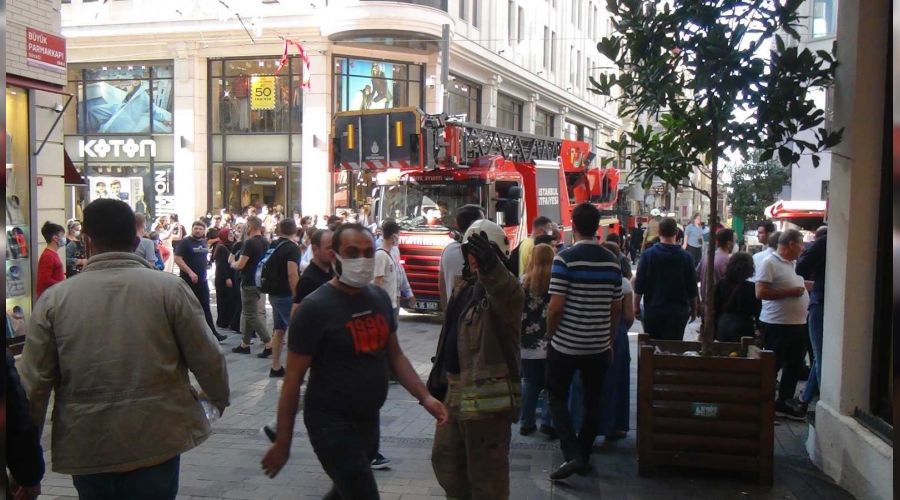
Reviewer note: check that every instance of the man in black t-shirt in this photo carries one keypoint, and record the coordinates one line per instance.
(285, 260)
(318, 272)
(346, 334)
(252, 251)
(192, 258)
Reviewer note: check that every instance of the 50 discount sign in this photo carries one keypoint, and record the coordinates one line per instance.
(262, 92)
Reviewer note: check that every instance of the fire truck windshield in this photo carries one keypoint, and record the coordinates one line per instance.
(422, 206)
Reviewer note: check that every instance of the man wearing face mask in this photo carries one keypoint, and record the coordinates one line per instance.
(476, 370)
(345, 334)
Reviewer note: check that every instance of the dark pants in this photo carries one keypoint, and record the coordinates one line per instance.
(615, 404)
(225, 304)
(696, 254)
(789, 344)
(665, 326)
(201, 291)
(235, 322)
(345, 447)
(560, 370)
(159, 482)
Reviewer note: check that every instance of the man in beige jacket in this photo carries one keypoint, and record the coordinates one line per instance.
(115, 343)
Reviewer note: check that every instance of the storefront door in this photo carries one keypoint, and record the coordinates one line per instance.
(256, 185)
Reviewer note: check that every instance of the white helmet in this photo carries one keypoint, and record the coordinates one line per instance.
(655, 212)
(494, 232)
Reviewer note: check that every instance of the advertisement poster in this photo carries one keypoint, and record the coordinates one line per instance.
(123, 106)
(128, 189)
(371, 85)
(262, 92)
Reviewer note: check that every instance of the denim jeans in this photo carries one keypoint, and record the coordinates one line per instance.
(816, 324)
(281, 310)
(345, 447)
(576, 400)
(533, 379)
(159, 482)
(250, 320)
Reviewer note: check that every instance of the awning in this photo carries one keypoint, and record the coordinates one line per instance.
(795, 209)
(72, 177)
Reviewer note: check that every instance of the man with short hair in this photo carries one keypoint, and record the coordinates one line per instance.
(785, 301)
(116, 345)
(811, 265)
(624, 264)
(345, 333)
(192, 259)
(724, 246)
(255, 245)
(667, 282)
(284, 280)
(764, 231)
(540, 226)
(585, 305)
(50, 266)
(693, 239)
(452, 262)
(144, 247)
(387, 276)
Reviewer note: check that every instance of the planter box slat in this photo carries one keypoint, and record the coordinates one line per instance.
(710, 412)
(727, 411)
(697, 377)
(708, 427)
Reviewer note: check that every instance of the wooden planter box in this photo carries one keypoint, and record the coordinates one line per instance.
(711, 412)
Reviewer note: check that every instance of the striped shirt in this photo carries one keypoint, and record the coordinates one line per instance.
(591, 279)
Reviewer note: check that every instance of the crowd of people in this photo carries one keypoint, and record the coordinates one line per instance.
(536, 331)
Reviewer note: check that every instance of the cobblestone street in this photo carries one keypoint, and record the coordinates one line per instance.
(227, 465)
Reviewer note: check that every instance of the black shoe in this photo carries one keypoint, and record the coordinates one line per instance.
(568, 468)
(219, 336)
(785, 410)
(268, 431)
(527, 430)
(241, 349)
(380, 462)
(276, 373)
(265, 353)
(548, 431)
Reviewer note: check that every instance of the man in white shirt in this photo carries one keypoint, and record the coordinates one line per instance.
(783, 318)
(386, 272)
(451, 266)
(764, 233)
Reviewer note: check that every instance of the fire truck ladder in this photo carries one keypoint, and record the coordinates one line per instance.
(477, 141)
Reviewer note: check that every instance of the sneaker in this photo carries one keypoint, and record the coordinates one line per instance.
(241, 349)
(568, 468)
(265, 353)
(527, 430)
(268, 432)
(276, 373)
(548, 431)
(785, 410)
(380, 462)
(220, 337)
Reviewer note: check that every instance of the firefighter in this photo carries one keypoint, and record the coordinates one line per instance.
(476, 370)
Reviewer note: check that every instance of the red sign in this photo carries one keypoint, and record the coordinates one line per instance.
(45, 51)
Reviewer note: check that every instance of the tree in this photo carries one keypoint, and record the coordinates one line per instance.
(754, 186)
(695, 66)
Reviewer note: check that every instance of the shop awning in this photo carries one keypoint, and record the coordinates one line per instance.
(795, 209)
(72, 177)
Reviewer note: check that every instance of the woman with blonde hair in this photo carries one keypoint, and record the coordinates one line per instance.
(536, 281)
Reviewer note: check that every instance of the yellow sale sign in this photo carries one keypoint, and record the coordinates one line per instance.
(262, 92)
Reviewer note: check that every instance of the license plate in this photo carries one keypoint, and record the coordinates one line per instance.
(705, 410)
(426, 306)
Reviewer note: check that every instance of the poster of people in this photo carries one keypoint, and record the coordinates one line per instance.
(373, 84)
(124, 106)
(128, 189)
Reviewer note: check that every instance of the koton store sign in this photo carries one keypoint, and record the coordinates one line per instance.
(45, 51)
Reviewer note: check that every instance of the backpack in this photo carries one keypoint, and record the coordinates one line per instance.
(266, 274)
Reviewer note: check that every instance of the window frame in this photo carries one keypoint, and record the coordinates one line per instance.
(336, 76)
(516, 110)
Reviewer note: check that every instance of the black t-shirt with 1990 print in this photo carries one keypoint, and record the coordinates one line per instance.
(346, 335)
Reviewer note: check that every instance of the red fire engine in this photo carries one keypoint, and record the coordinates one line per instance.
(426, 168)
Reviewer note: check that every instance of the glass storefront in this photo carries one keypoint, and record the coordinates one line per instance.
(255, 122)
(465, 99)
(365, 84)
(119, 135)
(18, 216)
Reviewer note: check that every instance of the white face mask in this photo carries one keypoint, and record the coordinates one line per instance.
(356, 273)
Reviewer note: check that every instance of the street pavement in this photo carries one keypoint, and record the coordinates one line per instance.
(227, 465)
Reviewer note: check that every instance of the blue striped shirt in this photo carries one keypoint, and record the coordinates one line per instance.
(590, 278)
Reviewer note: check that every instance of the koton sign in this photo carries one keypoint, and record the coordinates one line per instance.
(44, 50)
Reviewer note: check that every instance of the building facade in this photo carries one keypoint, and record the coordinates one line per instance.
(213, 119)
(35, 162)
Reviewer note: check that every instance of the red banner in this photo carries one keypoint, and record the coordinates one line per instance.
(45, 51)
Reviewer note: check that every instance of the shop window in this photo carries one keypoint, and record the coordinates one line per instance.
(19, 251)
(248, 97)
(509, 112)
(124, 98)
(365, 84)
(823, 18)
(465, 99)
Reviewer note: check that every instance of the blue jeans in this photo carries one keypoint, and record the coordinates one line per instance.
(533, 378)
(159, 482)
(616, 401)
(576, 400)
(281, 310)
(815, 321)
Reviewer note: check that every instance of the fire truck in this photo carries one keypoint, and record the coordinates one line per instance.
(427, 167)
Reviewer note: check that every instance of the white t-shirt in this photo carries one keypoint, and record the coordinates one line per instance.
(385, 266)
(758, 259)
(781, 274)
(451, 265)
